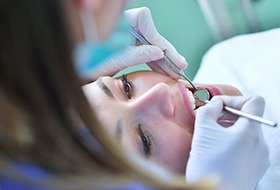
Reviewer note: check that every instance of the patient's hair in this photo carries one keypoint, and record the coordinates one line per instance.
(43, 106)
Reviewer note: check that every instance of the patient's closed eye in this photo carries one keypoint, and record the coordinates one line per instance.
(127, 85)
(146, 141)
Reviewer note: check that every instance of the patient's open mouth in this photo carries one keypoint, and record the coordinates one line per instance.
(191, 98)
(188, 98)
(213, 90)
(200, 100)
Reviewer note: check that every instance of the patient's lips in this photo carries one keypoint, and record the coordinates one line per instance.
(188, 99)
(213, 90)
(191, 97)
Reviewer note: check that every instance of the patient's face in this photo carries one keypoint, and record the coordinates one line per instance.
(153, 117)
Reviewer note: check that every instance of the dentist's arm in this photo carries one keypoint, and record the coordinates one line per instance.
(141, 20)
(237, 155)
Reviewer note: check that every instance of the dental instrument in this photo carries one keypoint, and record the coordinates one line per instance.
(202, 102)
(201, 92)
(201, 95)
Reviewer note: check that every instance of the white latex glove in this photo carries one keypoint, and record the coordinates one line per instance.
(141, 20)
(238, 155)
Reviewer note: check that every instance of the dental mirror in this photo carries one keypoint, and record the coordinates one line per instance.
(199, 93)
(202, 93)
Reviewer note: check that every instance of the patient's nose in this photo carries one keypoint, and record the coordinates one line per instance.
(157, 100)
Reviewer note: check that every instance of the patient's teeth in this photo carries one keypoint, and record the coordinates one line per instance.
(190, 95)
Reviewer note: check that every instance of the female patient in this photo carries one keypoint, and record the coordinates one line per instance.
(150, 114)
(42, 106)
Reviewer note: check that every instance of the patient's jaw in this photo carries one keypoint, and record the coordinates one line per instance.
(155, 121)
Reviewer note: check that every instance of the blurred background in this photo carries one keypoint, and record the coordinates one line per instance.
(193, 26)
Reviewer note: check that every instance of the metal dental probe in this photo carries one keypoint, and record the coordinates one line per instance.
(243, 114)
(199, 91)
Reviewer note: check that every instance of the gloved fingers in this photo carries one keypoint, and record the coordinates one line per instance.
(161, 67)
(254, 105)
(141, 20)
(140, 54)
(174, 56)
(249, 131)
(235, 102)
(131, 56)
(225, 151)
(227, 119)
(209, 112)
(109, 67)
(251, 104)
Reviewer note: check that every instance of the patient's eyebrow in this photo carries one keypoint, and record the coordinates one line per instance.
(104, 88)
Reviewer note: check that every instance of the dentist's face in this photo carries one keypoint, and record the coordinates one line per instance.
(104, 16)
(153, 117)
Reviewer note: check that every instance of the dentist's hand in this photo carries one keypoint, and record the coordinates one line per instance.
(238, 155)
(141, 20)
